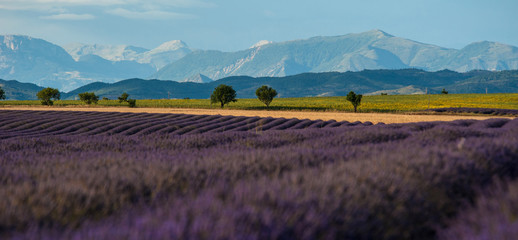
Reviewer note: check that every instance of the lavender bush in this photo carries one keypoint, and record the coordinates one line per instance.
(495, 215)
(76, 175)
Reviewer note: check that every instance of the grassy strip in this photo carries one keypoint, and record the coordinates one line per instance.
(391, 103)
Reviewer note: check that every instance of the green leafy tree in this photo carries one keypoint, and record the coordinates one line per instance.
(444, 91)
(46, 95)
(223, 94)
(2, 94)
(123, 98)
(88, 97)
(266, 94)
(355, 99)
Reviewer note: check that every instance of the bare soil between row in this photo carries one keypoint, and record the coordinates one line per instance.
(338, 116)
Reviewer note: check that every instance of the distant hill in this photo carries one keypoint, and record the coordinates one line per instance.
(15, 90)
(143, 89)
(406, 81)
(352, 52)
(369, 82)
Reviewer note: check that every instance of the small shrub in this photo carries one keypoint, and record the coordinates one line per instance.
(124, 98)
(132, 103)
(2, 94)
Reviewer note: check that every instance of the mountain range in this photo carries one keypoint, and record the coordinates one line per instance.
(367, 82)
(352, 52)
(40, 62)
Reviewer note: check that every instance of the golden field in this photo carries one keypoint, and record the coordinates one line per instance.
(388, 103)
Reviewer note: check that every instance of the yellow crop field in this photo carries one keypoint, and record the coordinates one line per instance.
(387, 103)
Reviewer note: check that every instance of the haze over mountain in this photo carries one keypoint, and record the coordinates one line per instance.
(158, 57)
(40, 62)
(37, 61)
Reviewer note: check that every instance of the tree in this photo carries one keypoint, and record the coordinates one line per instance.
(2, 94)
(444, 91)
(266, 94)
(123, 98)
(223, 94)
(354, 99)
(88, 97)
(47, 94)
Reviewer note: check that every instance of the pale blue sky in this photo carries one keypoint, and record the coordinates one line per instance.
(230, 25)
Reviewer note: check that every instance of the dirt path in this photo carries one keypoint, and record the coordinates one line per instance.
(338, 116)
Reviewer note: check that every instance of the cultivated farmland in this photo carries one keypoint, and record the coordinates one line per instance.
(106, 175)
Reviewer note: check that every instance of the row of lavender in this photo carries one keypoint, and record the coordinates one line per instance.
(41, 123)
(488, 111)
(397, 181)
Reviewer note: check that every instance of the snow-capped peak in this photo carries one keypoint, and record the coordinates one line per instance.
(13, 41)
(171, 45)
(261, 43)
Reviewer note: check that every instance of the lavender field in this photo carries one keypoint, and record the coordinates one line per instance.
(94, 175)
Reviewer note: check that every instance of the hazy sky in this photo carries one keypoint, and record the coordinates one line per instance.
(237, 24)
